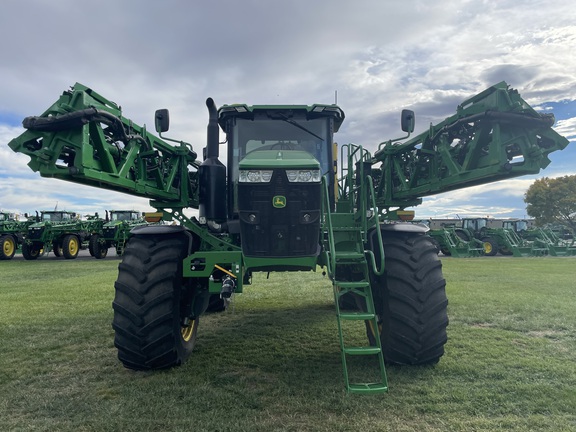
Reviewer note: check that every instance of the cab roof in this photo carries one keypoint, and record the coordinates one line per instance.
(311, 111)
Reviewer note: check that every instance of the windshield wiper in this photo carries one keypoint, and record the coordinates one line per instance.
(299, 126)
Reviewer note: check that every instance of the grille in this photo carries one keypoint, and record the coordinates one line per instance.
(288, 231)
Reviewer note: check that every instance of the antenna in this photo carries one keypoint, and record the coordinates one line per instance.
(335, 97)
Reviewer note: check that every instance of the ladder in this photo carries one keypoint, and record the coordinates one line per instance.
(345, 234)
(352, 281)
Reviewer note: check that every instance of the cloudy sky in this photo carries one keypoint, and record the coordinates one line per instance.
(379, 56)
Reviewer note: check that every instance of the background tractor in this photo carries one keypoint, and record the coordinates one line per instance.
(61, 232)
(12, 231)
(115, 232)
(280, 204)
(452, 240)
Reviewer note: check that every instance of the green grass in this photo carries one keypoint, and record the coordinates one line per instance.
(272, 362)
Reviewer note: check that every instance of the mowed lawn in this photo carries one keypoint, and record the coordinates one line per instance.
(272, 362)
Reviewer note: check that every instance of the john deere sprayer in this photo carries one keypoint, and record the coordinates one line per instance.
(281, 204)
(61, 232)
(115, 231)
(12, 232)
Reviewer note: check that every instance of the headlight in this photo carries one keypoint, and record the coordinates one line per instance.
(255, 176)
(303, 176)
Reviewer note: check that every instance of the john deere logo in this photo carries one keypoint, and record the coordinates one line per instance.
(279, 201)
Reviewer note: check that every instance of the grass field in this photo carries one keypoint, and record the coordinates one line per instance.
(272, 362)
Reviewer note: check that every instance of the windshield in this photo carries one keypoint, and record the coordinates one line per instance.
(124, 216)
(267, 134)
(55, 217)
(474, 224)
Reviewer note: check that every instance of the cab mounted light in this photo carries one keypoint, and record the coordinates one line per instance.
(303, 176)
(255, 176)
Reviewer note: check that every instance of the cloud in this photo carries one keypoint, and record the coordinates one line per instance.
(567, 128)
(378, 56)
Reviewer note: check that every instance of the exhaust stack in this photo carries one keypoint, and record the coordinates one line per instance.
(212, 174)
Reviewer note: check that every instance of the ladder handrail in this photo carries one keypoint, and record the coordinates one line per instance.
(366, 198)
(377, 272)
(326, 211)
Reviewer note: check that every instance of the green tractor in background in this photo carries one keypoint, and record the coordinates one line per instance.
(115, 232)
(541, 238)
(452, 240)
(509, 238)
(61, 232)
(486, 230)
(12, 232)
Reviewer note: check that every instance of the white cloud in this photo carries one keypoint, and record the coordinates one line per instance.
(379, 56)
(567, 128)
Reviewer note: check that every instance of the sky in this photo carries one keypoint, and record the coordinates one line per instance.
(376, 57)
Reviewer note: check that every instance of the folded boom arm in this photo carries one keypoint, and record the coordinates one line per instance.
(494, 135)
(84, 138)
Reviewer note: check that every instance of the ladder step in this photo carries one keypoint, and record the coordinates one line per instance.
(349, 256)
(367, 350)
(358, 284)
(368, 388)
(357, 316)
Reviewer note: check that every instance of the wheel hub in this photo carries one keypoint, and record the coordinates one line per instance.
(8, 247)
(188, 330)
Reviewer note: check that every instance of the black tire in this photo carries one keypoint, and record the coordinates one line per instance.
(91, 246)
(57, 248)
(7, 247)
(70, 246)
(217, 304)
(436, 245)
(97, 248)
(410, 300)
(490, 246)
(463, 234)
(148, 304)
(31, 251)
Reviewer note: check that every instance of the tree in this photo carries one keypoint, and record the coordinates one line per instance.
(553, 200)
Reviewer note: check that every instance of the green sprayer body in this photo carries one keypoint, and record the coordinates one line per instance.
(60, 232)
(287, 199)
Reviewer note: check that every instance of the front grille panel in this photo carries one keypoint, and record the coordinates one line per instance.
(270, 231)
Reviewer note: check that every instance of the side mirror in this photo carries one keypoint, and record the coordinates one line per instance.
(162, 120)
(407, 121)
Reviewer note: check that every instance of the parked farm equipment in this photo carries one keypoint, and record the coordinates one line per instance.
(451, 240)
(12, 231)
(61, 232)
(540, 238)
(279, 205)
(115, 232)
(498, 239)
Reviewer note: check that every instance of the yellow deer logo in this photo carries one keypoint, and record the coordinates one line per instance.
(279, 201)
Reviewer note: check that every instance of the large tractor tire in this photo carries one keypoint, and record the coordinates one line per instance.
(57, 248)
(490, 246)
(97, 249)
(7, 247)
(410, 300)
(150, 329)
(70, 246)
(31, 251)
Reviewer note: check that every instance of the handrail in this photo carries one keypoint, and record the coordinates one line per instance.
(366, 198)
(331, 262)
(378, 232)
